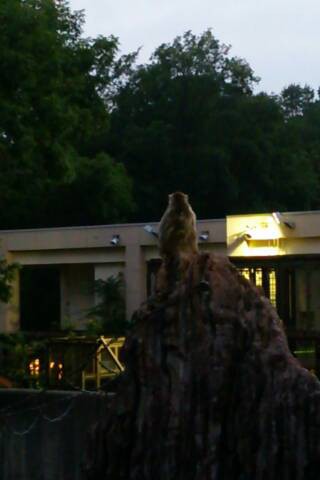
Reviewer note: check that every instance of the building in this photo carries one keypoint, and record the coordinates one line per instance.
(279, 252)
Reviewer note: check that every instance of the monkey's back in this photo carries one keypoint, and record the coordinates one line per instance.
(177, 233)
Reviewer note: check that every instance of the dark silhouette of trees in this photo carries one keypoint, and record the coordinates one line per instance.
(88, 136)
(53, 89)
(189, 120)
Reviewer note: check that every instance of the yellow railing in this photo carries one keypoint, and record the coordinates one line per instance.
(105, 364)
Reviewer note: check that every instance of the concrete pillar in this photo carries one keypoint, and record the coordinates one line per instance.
(2, 317)
(13, 307)
(4, 307)
(10, 312)
(135, 275)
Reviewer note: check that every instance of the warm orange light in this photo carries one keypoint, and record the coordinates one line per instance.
(34, 367)
(60, 371)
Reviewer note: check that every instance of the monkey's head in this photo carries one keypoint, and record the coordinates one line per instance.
(179, 201)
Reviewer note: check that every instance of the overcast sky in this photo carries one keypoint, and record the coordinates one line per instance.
(279, 38)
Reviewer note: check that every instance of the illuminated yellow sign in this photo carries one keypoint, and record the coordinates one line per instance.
(254, 235)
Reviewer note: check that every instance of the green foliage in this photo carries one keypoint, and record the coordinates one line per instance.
(53, 114)
(16, 352)
(88, 136)
(100, 193)
(189, 121)
(108, 316)
(7, 273)
(295, 99)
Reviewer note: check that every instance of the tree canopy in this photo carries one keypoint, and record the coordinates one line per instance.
(88, 136)
(190, 120)
(53, 115)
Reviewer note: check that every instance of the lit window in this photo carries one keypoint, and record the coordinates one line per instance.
(272, 287)
(258, 277)
(263, 278)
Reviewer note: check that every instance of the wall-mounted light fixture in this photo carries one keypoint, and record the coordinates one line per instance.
(115, 240)
(280, 219)
(204, 236)
(277, 217)
(149, 229)
(246, 236)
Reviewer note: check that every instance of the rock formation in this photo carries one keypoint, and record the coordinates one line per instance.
(211, 390)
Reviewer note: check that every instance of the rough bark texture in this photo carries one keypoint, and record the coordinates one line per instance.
(211, 390)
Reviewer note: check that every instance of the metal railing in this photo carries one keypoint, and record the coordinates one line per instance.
(77, 362)
(106, 363)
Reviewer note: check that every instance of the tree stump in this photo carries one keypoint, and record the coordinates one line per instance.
(211, 390)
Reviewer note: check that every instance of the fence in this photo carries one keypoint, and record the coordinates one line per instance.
(43, 434)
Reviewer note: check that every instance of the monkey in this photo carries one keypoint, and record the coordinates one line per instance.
(177, 238)
(177, 228)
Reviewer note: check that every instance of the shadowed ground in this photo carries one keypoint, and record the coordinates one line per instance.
(211, 390)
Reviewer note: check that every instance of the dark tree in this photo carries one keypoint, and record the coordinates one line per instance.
(88, 136)
(54, 88)
(189, 120)
(167, 120)
(295, 99)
